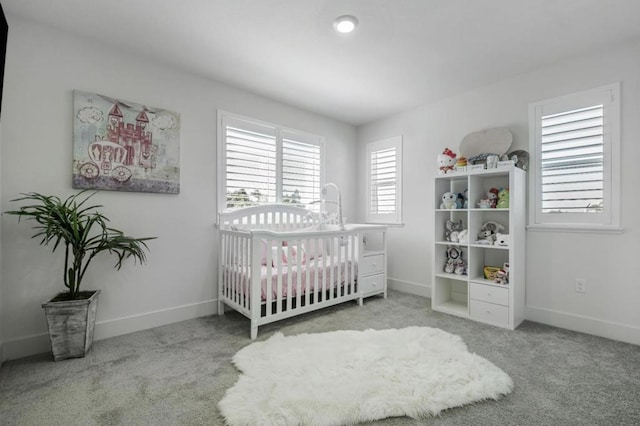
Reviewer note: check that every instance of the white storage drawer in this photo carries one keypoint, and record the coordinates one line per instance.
(371, 264)
(371, 284)
(488, 293)
(488, 312)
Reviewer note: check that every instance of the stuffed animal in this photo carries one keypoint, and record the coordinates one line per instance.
(484, 203)
(502, 239)
(446, 161)
(463, 236)
(460, 269)
(492, 226)
(454, 260)
(450, 266)
(503, 199)
(485, 236)
(465, 194)
(448, 201)
(488, 231)
(452, 230)
(502, 277)
(492, 195)
(460, 201)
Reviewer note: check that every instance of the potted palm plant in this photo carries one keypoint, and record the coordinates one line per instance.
(83, 232)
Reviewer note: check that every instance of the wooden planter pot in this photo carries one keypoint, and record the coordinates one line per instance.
(71, 324)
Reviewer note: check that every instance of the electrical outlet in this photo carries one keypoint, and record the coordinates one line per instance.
(581, 285)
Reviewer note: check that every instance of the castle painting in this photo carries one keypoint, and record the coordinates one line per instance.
(124, 146)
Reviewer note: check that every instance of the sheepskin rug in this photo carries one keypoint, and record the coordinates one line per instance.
(346, 377)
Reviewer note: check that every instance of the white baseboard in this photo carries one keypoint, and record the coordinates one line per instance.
(410, 287)
(25, 346)
(610, 330)
(130, 324)
(583, 324)
(39, 343)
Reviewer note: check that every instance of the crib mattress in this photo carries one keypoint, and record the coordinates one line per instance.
(317, 270)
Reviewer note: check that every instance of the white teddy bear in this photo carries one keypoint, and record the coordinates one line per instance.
(502, 239)
(449, 201)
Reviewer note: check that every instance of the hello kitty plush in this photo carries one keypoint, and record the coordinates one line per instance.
(446, 161)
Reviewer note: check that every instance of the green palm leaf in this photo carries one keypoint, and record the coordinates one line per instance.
(83, 231)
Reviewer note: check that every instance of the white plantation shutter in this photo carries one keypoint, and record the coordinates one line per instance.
(572, 161)
(263, 164)
(300, 167)
(575, 141)
(250, 163)
(384, 180)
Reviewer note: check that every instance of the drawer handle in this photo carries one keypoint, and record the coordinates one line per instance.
(374, 264)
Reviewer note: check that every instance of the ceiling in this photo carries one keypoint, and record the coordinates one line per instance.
(404, 53)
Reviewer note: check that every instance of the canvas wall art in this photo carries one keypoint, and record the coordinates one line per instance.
(124, 146)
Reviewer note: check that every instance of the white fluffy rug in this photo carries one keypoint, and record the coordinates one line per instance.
(346, 377)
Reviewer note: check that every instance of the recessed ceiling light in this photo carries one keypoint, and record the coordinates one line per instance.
(345, 24)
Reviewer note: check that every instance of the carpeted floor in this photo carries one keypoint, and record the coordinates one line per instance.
(176, 374)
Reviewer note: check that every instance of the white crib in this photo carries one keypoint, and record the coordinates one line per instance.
(275, 264)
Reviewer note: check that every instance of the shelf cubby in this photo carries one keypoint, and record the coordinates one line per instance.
(452, 295)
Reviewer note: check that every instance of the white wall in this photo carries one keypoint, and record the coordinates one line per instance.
(608, 261)
(43, 66)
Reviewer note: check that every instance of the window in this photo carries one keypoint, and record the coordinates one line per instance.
(384, 181)
(261, 163)
(575, 141)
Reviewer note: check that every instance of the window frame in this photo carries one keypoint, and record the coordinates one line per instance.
(280, 133)
(371, 147)
(609, 219)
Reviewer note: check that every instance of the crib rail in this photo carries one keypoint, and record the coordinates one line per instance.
(267, 277)
(234, 270)
(277, 217)
(317, 270)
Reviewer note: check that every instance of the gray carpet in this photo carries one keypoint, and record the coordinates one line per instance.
(176, 374)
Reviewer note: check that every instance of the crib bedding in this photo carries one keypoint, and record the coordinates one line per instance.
(317, 270)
